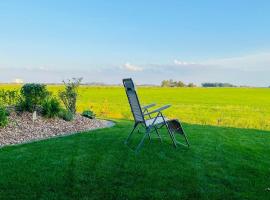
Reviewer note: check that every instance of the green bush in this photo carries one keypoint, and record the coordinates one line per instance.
(3, 116)
(21, 105)
(9, 97)
(66, 115)
(51, 107)
(89, 114)
(32, 95)
(69, 95)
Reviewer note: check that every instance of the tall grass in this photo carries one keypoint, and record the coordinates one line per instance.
(234, 107)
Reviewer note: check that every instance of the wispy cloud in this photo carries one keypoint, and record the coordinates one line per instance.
(242, 70)
(132, 68)
(183, 63)
(253, 62)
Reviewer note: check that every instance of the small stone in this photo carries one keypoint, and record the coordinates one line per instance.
(34, 116)
(22, 129)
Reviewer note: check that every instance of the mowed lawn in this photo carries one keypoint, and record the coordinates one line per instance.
(234, 107)
(222, 163)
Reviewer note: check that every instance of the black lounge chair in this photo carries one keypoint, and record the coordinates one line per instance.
(150, 120)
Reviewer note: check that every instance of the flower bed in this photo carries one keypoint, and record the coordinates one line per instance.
(21, 127)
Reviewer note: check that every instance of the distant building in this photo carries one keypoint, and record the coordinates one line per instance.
(18, 81)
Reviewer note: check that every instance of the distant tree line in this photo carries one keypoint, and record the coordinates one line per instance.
(217, 85)
(172, 83)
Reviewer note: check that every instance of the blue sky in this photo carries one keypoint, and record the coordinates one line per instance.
(105, 41)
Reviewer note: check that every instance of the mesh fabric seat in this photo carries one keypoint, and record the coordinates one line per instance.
(149, 120)
(155, 121)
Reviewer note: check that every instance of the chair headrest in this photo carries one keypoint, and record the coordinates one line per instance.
(128, 84)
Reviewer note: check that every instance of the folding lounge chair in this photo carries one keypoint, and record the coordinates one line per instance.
(142, 116)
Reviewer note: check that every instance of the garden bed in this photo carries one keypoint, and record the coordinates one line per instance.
(22, 128)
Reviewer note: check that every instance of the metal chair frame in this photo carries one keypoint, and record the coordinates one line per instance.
(140, 113)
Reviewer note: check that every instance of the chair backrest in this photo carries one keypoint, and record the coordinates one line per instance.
(133, 100)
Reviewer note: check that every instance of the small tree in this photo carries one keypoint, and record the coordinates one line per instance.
(180, 84)
(172, 83)
(70, 94)
(33, 94)
(165, 83)
(191, 85)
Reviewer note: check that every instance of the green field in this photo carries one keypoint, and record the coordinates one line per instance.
(234, 107)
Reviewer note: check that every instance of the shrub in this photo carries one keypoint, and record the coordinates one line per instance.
(51, 107)
(9, 97)
(191, 85)
(217, 85)
(21, 105)
(172, 83)
(3, 116)
(69, 95)
(66, 115)
(89, 114)
(32, 95)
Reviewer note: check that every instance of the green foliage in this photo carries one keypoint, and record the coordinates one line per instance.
(33, 94)
(70, 94)
(51, 107)
(180, 84)
(66, 115)
(22, 105)
(191, 85)
(89, 114)
(9, 97)
(218, 85)
(3, 116)
(172, 83)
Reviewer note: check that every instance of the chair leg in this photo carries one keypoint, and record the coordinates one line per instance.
(149, 136)
(142, 141)
(158, 133)
(184, 134)
(169, 131)
(186, 139)
(129, 136)
(171, 135)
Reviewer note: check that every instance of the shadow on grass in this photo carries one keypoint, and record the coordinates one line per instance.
(222, 163)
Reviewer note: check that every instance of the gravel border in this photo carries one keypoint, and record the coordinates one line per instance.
(22, 128)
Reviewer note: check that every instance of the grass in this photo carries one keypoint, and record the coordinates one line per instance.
(233, 107)
(222, 163)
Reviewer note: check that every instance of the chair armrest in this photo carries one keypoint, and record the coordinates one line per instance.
(148, 106)
(158, 110)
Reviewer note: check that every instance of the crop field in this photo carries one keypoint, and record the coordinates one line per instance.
(233, 107)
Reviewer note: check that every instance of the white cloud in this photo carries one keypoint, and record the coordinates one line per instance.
(43, 69)
(132, 68)
(253, 62)
(183, 63)
(18, 81)
(251, 69)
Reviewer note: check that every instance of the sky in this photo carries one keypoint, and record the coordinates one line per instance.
(105, 41)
